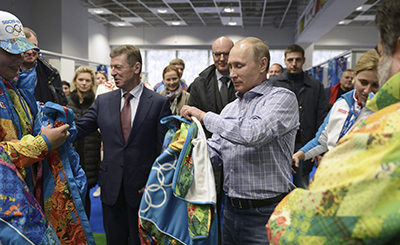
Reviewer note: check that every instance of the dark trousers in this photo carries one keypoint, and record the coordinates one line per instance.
(300, 179)
(121, 222)
(245, 226)
(87, 203)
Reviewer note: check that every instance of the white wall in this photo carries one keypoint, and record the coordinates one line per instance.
(75, 29)
(348, 38)
(99, 48)
(195, 37)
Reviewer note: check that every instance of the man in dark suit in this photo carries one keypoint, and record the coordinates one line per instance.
(312, 105)
(206, 91)
(129, 121)
(211, 91)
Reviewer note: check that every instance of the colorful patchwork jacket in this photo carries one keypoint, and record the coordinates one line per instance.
(354, 197)
(22, 149)
(178, 204)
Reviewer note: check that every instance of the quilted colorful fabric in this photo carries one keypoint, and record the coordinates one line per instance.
(354, 197)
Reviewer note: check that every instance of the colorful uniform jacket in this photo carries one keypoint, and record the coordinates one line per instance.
(22, 219)
(354, 197)
(339, 119)
(178, 204)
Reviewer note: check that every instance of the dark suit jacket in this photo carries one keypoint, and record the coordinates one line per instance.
(128, 163)
(204, 93)
(312, 107)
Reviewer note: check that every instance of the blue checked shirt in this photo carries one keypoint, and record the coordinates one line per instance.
(254, 139)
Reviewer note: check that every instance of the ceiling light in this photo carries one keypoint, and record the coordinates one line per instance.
(176, 23)
(229, 10)
(162, 11)
(232, 23)
(359, 8)
(98, 11)
(121, 23)
(341, 22)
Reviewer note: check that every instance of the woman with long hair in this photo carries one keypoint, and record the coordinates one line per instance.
(80, 99)
(345, 110)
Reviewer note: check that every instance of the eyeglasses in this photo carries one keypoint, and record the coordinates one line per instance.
(218, 54)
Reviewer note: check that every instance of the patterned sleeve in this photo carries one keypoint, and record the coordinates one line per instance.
(26, 151)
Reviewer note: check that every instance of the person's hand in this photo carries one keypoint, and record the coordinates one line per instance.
(296, 158)
(188, 111)
(56, 136)
(316, 160)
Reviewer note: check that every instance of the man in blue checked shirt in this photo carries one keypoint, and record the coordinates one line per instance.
(253, 138)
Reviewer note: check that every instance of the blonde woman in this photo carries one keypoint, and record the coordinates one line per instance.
(80, 99)
(345, 110)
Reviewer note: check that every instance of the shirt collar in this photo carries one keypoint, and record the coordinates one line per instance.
(29, 70)
(136, 92)
(257, 90)
(219, 75)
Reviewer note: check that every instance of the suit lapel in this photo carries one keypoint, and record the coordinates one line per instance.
(213, 94)
(142, 111)
(115, 111)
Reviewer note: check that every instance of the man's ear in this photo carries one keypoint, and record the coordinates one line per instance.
(397, 48)
(396, 58)
(264, 64)
(137, 67)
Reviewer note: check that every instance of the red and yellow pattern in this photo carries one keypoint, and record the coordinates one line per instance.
(354, 197)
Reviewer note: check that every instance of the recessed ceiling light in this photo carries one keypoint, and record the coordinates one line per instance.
(176, 23)
(341, 22)
(98, 11)
(232, 23)
(229, 10)
(121, 23)
(162, 11)
(359, 8)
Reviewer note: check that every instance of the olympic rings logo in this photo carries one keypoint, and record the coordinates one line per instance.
(164, 175)
(15, 30)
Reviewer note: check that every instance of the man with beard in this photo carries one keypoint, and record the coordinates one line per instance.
(355, 194)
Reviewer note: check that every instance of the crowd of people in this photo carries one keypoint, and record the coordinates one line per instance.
(264, 136)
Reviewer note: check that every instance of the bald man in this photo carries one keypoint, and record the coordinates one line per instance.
(206, 92)
(211, 91)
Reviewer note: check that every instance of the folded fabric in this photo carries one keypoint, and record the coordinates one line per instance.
(65, 184)
(166, 215)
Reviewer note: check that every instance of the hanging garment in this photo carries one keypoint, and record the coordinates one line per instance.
(178, 204)
(64, 183)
